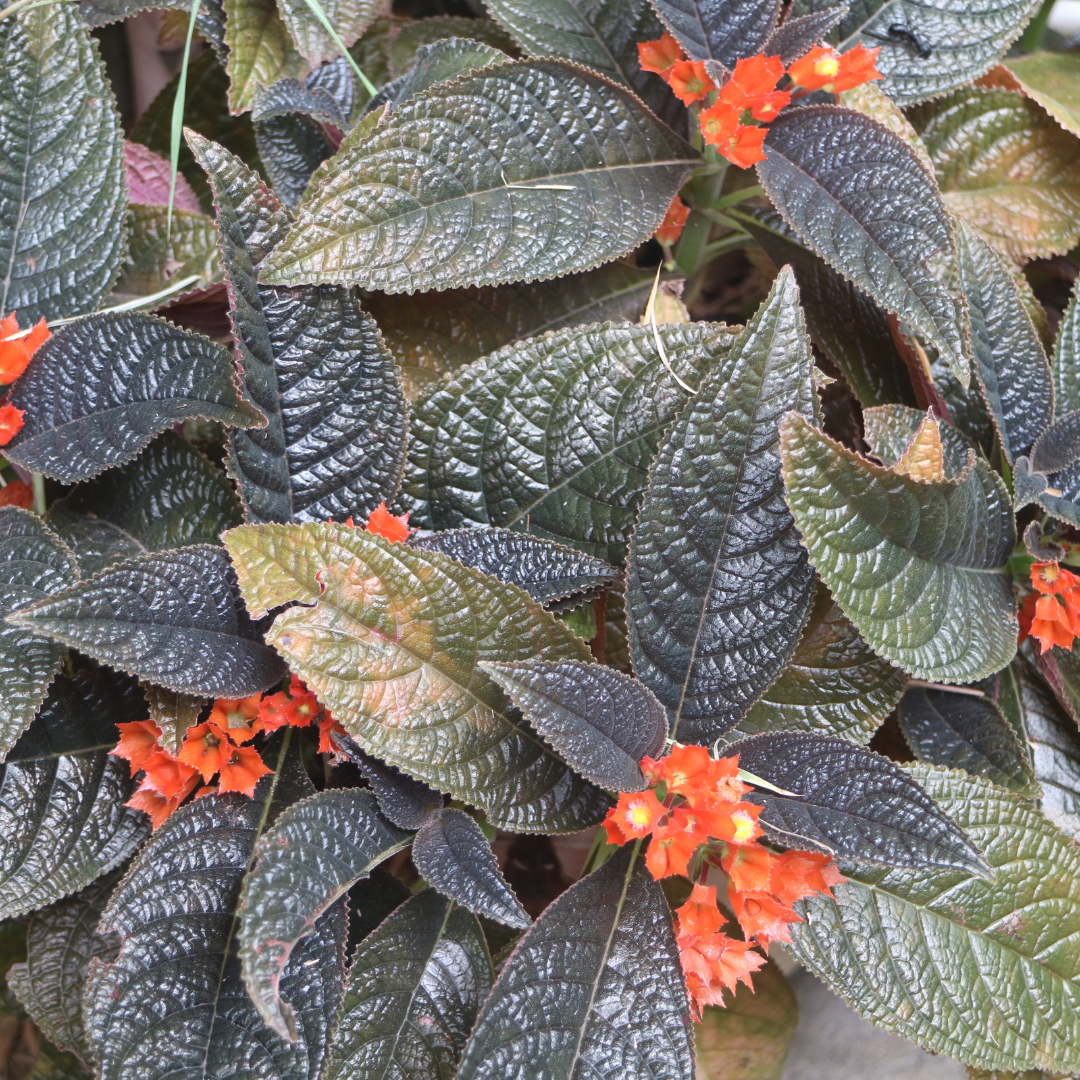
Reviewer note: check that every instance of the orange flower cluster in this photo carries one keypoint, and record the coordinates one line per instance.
(217, 745)
(1051, 613)
(15, 354)
(752, 89)
(697, 819)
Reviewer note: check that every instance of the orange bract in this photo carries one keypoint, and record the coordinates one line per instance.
(11, 422)
(1051, 624)
(138, 743)
(383, 523)
(241, 770)
(657, 56)
(16, 355)
(762, 916)
(672, 226)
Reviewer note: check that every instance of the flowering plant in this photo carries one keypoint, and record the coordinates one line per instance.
(527, 531)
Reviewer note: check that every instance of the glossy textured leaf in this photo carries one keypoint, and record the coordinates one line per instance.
(149, 179)
(60, 942)
(719, 586)
(547, 571)
(1053, 80)
(34, 564)
(62, 193)
(1009, 358)
(889, 428)
(434, 333)
(916, 566)
(604, 951)
(843, 321)
(173, 1002)
(99, 390)
(721, 30)
(983, 971)
(1066, 361)
(173, 713)
(439, 62)
(452, 854)
(315, 365)
(597, 180)
(393, 631)
(1007, 168)
(573, 419)
(600, 721)
(260, 50)
(964, 39)
(210, 20)
(853, 803)
(402, 799)
(415, 988)
(964, 732)
(800, 33)
(170, 496)
(175, 619)
(302, 867)
(599, 34)
(292, 96)
(158, 255)
(834, 683)
(858, 197)
(291, 148)
(350, 18)
(62, 816)
(403, 42)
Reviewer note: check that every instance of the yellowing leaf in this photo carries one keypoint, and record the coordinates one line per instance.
(923, 459)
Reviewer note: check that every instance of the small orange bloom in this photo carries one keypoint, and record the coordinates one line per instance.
(11, 422)
(1051, 624)
(856, 67)
(685, 770)
(168, 777)
(770, 105)
(798, 874)
(713, 964)
(700, 915)
(745, 149)
(719, 123)
(672, 846)
(1026, 614)
(383, 523)
(298, 708)
(205, 748)
(636, 814)
(689, 81)
(658, 56)
(327, 726)
(237, 717)
(138, 743)
(157, 806)
(16, 355)
(17, 493)
(817, 69)
(241, 770)
(754, 78)
(672, 226)
(750, 868)
(762, 916)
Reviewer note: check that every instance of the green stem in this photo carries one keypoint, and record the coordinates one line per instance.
(1032, 38)
(23, 5)
(178, 117)
(693, 242)
(725, 243)
(37, 481)
(319, 14)
(739, 196)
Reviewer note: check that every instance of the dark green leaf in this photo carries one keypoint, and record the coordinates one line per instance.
(161, 251)
(60, 942)
(410, 628)
(301, 868)
(721, 30)
(480, 217)
(800, 33)
(594, 988)
(33, 565)
(834, 683)
(858, 196)
(917, 566)
(403, 800)
(99, 390)
(602, 722)
(174, 619)
(210, 20)
(555, 575)
(62, 816)
(1051, 78)
(1058, 446)
(405, 38)
(719, 586)
(964, 39)
(434, 333)
(440, 61)
(452, 854)
(888, 429)
(960, 731)
(1009, 358)
(573, 419)
(844, 322)
(371, 900)
(983, 971)
(291, 148)
(313, 362)
(95, 543)
(1066, 362)
(1061, 669)
(173, 713)
(290, 96)
(598, 34)
(63, 197)
(173, 1003)
(350, 18)
(260, 50)
(851, 803)
(415, 987)
(1007, 168)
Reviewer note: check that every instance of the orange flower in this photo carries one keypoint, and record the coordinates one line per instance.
(633, 816)
(714, 963)
(241, 770)
(383, 523)
(754, 79)
(327, 726)
(762, 916)
(11, 422)
(205, 748)
(798, 874)
(734, 824)
(17, 493)
(746, 147)
(856, 67)
(138, 743)
(168, 777)
(205, 790)
(767, 108)
(1051, 624)
(658, 56)
(817, 69)
(750, 868)
(672, 846)
(16, 354)
(237, 717)
(689, 81)
(297, 708)
(719, 123)
(672, 226)
(684, 770)
(157, 806)
(700, 915)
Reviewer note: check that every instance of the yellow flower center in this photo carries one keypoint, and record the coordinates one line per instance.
(744, 826)
(827, 65)
(639, 815)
